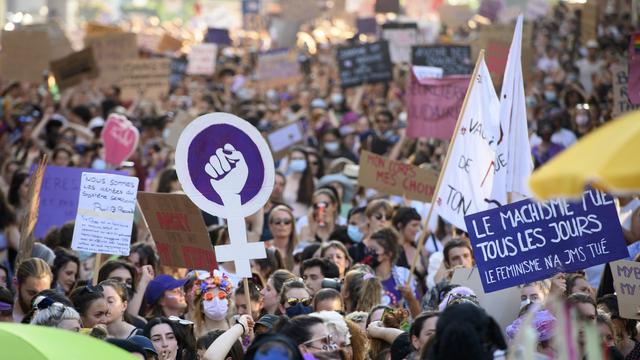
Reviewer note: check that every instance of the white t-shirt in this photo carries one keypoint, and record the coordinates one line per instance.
(562, 137)
(587, 69)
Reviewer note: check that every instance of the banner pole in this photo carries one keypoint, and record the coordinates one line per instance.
(423, 236)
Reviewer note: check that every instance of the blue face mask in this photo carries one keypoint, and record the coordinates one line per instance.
(298, 165)
(354, 233)
(298, 309)
(550, 96)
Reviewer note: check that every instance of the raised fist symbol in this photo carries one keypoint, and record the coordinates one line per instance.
(228, 171)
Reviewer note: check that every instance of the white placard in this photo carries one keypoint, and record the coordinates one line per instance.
(424, 72)
(202, 59)
(105, 213)
(285, 137)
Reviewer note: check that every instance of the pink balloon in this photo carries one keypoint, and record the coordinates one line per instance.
(120, 139)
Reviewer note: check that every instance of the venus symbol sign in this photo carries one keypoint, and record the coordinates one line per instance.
(226, 168)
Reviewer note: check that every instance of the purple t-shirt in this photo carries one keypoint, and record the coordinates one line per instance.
(390, 295)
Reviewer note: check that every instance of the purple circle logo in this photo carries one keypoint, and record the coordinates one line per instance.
(224, 165)
(205, 144)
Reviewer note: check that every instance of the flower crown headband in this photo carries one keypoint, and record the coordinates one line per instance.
(206, 281)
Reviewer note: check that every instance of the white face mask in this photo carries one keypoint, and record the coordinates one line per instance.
(215, 309)
(332, 147)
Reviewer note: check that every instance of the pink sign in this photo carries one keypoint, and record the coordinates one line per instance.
(120, 139)
(433, 105)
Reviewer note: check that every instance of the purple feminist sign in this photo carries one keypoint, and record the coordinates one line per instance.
(205, 144)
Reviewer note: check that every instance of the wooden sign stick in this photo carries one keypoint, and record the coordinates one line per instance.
(28, 223)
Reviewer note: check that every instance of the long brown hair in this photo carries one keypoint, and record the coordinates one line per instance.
(364, 290)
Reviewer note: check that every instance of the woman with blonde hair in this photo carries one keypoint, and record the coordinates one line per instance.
(281, 224)
(360, 290)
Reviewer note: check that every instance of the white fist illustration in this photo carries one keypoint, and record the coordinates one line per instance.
(228, 171)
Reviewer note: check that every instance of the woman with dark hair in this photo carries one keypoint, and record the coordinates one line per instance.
(322, 217)
(465, 331)
(299, 186)
(66, 270)
(406, 221)
(269, 346)
(205, 341)
(308, 332)
(168, 339)
(268, 265)
(19, 192)
(332, 147)
(143, 254)
(422, 329)
(9, 233)
(119, 323)
(91, 304)
(168, 182)
(126, 273)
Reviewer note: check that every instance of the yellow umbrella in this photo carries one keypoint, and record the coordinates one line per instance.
(608, 159)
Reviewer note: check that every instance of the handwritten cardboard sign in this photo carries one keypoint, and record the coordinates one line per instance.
(299, 10)
(180, 121)
(453, 59)
(387, 6)
(169, 44)
(278, 68)
(433, 105)
(202, 59)
(105, 214)
(621, 102)
(396, 178)
(93, 28)
(178, 229)
(401, 37)
(626, 282)
(59, 44)
(59, 196)
(110, 51)
(21, 62)
(148, 78)
(72, 69)
(526, 241)
(365, 63)
(283, 138)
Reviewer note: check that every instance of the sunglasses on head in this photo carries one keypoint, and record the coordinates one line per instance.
(93, 289)
(295, 301)
(281, 221)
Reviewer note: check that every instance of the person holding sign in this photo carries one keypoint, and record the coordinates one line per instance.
(211, 293)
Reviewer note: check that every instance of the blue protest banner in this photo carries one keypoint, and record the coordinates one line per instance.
(529, 241)
(59, 196)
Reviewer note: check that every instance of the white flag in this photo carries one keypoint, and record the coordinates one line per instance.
(513, 162)
(468, 175)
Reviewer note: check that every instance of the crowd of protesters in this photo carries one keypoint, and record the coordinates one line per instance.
(334, 282)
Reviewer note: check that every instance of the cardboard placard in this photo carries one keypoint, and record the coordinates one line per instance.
(24, 56)
(626, 282)
(453, 59)
(178, 229)
(401, 37)
(202, 59)
(59, 44)
(148, 78)
(455, 15)
(180, 121)
(72, 69)
(621, 103)
(496, 40)
(93, 28)
(283, 138)
(526, 241)
(433, 105)
(109, 51)
(59, 196)
(366, 63)
(503, 305)
(277, 68)
(589, 21)
(396, 177)
(148, 41)
(105, 214)
(169, 44)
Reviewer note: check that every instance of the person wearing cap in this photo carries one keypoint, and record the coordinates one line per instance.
(164, 296)
(265, 324)
(150, 352)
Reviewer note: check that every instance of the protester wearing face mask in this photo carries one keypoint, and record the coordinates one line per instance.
(295, 298)
(299, 186)
(211, 300)
(332, 147)
(384, 137)
(547, 149)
